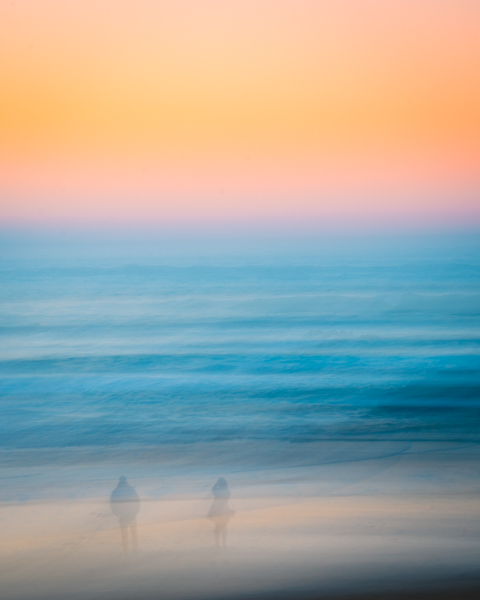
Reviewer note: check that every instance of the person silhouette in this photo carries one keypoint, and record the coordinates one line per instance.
(220, 512)
(126, 504)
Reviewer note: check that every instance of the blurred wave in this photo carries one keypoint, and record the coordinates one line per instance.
(99, 351)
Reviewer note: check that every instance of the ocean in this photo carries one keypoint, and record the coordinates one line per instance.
(177, 360)
(107, 350)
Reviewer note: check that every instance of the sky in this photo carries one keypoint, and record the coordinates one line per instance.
(344, 113)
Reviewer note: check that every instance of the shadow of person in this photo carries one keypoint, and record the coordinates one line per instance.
(126, 504)
(220, 512)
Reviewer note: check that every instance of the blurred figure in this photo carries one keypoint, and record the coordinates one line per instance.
(220, 512)
(126, 504)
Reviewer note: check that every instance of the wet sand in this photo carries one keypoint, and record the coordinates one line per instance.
(405, 523)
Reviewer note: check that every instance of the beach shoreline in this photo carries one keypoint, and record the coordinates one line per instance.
(350, 528)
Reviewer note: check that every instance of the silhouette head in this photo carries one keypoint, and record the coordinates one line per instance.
(123, 479)
(221, 484)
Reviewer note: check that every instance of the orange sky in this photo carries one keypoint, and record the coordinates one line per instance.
(212, 109)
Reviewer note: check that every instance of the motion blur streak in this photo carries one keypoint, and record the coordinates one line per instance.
(239, 299)
(286, 416)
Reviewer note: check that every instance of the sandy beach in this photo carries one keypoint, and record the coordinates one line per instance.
(378, 525)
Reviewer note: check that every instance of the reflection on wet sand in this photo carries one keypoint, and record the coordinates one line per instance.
(221, 512)
(371, 517)
(126, 505)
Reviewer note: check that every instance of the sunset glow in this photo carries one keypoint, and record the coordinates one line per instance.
(211, 111)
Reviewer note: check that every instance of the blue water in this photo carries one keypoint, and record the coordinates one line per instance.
(146, 341)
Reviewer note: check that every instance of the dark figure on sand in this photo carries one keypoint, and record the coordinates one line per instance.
(126, 504)
(220, 512)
